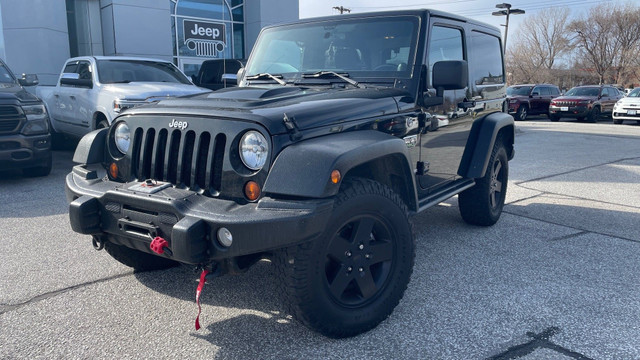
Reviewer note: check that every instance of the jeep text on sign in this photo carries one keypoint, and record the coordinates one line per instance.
(203, 30)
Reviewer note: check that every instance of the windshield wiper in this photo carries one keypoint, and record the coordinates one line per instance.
(326, 74)
(262, 76)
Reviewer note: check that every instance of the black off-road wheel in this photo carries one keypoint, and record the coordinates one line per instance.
(138, 260)
(353, 276)
(482, 204)
(522, 113)
(594, 115)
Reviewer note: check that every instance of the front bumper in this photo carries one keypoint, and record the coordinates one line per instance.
(187, 220)
(626, 114)
(19, 151)
(570, 111)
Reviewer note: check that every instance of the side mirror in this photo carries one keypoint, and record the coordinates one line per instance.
(240, 75)
(28, 80)
(447, 75)
(535, 93)
(73, 79)
(194, 80)
(229, 79)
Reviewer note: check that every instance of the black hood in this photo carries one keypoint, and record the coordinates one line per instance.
(13, 91)
(310, 107)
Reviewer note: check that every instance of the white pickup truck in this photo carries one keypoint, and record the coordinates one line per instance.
(91, 91)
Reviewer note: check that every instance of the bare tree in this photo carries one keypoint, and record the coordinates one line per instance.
(540, 42)
(596, 40)
(627, 30)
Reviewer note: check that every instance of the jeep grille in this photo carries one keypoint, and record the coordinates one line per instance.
(10, 119)
(186, 159)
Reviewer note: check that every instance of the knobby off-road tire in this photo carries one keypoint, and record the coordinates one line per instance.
(353, 276)
(138, 260)
(554, 118)
(482, 204)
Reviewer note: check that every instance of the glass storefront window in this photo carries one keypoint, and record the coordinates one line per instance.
(206, 29)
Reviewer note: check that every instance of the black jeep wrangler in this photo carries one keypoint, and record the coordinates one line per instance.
(342, 128)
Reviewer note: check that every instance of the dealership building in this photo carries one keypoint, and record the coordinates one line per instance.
(37, 36)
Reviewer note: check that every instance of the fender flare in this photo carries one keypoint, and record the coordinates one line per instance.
(304, 168)
(90, 149)
(482, 138)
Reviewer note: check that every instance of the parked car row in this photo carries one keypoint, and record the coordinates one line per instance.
(90, 92)
(25, 142)
(588, 102)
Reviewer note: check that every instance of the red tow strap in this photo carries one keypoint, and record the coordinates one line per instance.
(203, 280)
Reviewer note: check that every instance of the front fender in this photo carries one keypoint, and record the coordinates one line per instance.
(304, 169)
(90, 149)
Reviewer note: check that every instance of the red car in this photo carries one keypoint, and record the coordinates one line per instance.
(585, 102)
(530, 99)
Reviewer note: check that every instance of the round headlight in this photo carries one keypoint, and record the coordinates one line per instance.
(254, 150)
(122, 137)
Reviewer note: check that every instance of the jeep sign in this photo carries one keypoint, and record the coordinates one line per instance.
(206, 38)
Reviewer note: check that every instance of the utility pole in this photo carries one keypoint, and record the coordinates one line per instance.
(342, 9)
(506, 12)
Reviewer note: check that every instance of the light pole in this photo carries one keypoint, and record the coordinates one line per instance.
(508, 11)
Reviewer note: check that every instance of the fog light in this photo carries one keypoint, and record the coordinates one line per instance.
(224, 237)
(252, 190)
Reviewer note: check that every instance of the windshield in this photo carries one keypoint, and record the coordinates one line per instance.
(518, 90)
(125, 71)
(634, 93)
(583, 91)
(5, 75)
(369, 47)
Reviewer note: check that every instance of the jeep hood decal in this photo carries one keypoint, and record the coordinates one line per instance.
(310, 107)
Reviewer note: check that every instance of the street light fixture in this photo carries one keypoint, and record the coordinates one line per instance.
(506, 13)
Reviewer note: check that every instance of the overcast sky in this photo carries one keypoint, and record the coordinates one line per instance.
(476, 9)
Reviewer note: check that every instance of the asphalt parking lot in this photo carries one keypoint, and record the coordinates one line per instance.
(555, 278)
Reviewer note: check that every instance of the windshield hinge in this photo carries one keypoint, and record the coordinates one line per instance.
(292, 128)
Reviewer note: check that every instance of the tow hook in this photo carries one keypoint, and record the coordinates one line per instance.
(97, 243)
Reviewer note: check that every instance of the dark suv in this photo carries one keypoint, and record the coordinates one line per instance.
(582, 102)
(25, 141)
(530, 99)
(339, 130)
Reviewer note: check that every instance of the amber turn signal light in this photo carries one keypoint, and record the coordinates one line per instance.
(113, 170)
(335, 176)
(252, 190)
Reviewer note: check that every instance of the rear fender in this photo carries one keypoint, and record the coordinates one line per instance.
(482, 138)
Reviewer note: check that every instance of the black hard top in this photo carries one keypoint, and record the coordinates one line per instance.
(414, 12)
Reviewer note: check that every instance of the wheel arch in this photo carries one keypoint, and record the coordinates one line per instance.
(482, 138)
(304, 169)
(97, 117)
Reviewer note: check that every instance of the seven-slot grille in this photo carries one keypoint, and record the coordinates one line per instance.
(10, 119)
(566, 103)
(190, 159)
